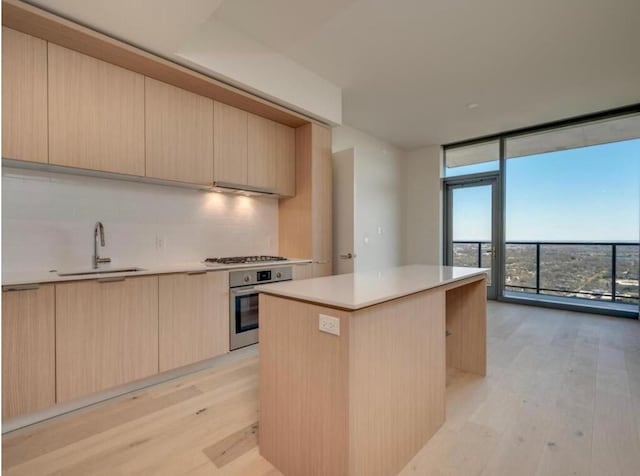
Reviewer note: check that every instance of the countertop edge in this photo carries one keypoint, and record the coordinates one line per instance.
(41, 278)
(265, 288)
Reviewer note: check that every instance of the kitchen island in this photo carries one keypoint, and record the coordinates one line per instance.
(353, 367)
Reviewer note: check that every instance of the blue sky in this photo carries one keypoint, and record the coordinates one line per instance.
(586, 194)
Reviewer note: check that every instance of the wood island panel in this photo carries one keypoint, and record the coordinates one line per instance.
(365, 402)
(467, 325)
(397, 379)
(303, 389)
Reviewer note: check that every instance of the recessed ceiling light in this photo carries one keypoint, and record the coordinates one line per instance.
(472, 105)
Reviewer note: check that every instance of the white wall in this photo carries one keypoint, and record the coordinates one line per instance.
(226, 53)
(48, 220)
(422, 206)
(378, 198)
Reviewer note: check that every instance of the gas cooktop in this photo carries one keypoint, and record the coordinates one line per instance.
(243, 259)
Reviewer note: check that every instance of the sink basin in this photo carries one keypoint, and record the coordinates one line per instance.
(102, 271)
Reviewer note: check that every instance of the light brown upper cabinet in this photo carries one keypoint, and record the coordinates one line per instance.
(194, 318)
(28, 350)
(96, 114)
(229, 144)
(24, 97)
(106, 334)
(286, 160)
(178, 134)
(254, 151)
(262, 162)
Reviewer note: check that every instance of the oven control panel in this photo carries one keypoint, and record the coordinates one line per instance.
(264, 275)
(248, 277)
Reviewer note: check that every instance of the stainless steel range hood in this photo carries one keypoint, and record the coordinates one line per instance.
(230, 187)
(224, 187)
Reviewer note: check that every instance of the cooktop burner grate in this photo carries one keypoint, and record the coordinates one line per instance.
(244, 259)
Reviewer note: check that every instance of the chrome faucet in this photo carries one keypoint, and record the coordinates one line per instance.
(99, 229)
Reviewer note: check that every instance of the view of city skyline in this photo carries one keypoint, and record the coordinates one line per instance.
(586, 195)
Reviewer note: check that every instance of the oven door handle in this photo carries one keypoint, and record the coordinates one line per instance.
(244, 292)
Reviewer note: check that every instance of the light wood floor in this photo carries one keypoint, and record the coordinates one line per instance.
(562, 397)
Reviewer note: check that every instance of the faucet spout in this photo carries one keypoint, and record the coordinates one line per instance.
(98, 231)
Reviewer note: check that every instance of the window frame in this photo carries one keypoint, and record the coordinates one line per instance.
(447, 182)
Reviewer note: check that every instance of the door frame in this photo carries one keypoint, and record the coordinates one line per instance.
(497, 263)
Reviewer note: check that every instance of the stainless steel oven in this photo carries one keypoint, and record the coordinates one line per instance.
(243, 302)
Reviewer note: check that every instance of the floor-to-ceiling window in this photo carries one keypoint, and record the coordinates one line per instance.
(568, 221)
(471, 200)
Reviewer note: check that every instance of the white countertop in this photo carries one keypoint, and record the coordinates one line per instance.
(33, 277)
(358, 290)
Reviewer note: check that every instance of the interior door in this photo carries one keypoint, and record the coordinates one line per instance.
(343, 212)
(471, 226)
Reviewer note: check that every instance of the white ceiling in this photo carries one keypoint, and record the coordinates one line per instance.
(408, 68)
(156, 25)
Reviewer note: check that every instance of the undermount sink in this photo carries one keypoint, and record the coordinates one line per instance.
(102, 271)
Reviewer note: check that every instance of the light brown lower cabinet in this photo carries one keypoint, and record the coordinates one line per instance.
(106, 334)
(194, 318)
(28, 350)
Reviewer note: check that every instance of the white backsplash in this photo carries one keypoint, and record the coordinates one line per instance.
(48, 220)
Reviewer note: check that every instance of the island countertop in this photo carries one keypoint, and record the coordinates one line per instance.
(358, 290)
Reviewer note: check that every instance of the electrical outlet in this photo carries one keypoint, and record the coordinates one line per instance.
(161, 242)
(329, 324)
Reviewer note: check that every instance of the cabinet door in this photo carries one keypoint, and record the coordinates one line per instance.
(321, 200)
(286, 160)
(194, 318)
(178, 134)
(96, 114)
(106, 334)
(28, 351)
(305, 223)
(262, 163)
(303, 271)
(24, 97)
(229, 144)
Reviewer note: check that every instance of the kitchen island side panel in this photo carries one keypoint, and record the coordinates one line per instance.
(397, 379)
(467, 325)
(303, 389)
